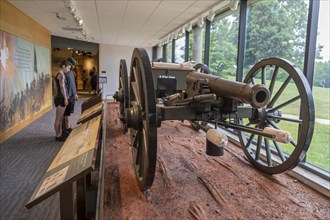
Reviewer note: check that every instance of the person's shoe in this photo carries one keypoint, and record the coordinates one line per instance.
(65, 134)
(60, 138)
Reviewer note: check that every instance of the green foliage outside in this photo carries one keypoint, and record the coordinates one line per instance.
(276, 28)
(169, 52)
(319, 151)
(223, 46)
(322, 74)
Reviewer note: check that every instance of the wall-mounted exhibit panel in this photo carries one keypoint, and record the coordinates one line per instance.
(25, 79)
(25, 83)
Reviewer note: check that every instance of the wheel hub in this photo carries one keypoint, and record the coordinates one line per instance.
(119, 95)
(134, 117)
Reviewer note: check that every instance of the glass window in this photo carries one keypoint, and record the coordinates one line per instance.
(169, 52)
(203, 42)
(276, 28)
(191, 39)
(180, 49)
(223, 45)
(319, 151)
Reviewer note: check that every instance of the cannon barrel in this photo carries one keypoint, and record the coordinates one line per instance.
(255, 95)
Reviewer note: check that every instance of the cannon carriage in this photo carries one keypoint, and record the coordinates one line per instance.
(255, 109)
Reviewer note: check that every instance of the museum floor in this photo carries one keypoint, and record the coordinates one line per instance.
(24, 159)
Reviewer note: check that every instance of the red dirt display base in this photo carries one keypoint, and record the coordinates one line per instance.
(189, 184)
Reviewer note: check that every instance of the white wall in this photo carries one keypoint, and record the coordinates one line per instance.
(110, 56)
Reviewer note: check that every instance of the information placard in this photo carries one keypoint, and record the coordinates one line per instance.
(90, 113)
(75, 159)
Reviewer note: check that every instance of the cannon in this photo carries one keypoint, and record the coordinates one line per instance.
(271, 111)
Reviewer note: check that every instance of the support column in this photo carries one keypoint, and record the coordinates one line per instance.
(197, 45)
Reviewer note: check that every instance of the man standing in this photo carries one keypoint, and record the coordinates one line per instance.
(73, 96)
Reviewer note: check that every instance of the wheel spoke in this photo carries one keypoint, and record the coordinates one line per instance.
(263, 75)
(280, 91)
(249, 141)
(284, 104)
(136, 77)
(136, 92)
(268, 153)
(293, 143)
(258, 147)
(248, 124)
(121, 83)
(273, 80)
(299, 121)
(273, 124)
(279, 151)
(253, 81)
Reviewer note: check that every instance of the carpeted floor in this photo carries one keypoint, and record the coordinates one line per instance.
(24, 159)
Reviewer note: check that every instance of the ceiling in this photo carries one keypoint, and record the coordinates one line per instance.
(118, 22)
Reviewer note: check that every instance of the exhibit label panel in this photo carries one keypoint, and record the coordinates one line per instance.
(25, 81)
(75, 159)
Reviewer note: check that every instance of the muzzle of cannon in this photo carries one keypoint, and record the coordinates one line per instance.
(255, 95)
(274, 125)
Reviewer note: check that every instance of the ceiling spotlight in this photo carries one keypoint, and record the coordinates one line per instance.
(189, 27)
(233, 4)
(174, 35)
(59, 16)
(200, 22)
(73, 10)
(76, 17)
(211, 15)
(183, 30)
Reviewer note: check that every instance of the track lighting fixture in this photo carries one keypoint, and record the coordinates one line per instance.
(200, 22)
(233, 4)
(189, 27)
(211, 15)
(74, 12)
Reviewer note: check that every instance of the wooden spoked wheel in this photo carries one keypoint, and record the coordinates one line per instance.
(141, 119)
(291, 108)
(123, 93)
(202, 68)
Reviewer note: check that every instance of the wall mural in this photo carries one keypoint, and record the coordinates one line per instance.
(25, 81)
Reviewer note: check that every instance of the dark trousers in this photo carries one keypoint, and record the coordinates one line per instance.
(84, 84)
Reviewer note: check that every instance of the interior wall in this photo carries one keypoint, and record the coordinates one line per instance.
(34, 72)
(110, 56)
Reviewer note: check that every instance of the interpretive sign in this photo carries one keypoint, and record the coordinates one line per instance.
(75, 159)
(25, 82)
(90, 113)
